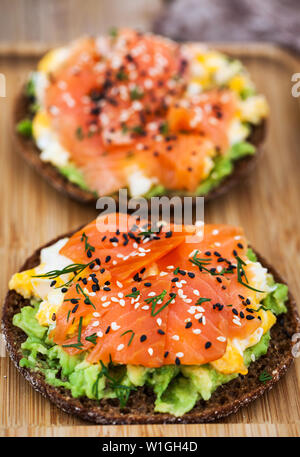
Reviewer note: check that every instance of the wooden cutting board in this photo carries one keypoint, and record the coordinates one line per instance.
(266, 205)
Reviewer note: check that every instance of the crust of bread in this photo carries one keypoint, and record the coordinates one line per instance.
(227, 399)
(30, 152)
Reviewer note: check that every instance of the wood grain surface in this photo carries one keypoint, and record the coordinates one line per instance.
(266, 205)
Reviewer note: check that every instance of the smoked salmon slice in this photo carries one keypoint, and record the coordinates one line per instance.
(179, 304)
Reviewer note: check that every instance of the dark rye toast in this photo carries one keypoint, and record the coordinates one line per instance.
(227, 399)
(30, 152)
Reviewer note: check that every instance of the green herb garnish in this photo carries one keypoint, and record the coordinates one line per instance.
(202, 300)
(87, 246)
(122, 392)
(264, 376)
(113, 32)
(241, 272)
(121, 75)
(87, 300)
(134, 294)
(92, 338)
(136, 94)
(75, 268)
(154, 301)
(79, 133)
(131, 338)
(164, 128)
(24, 127)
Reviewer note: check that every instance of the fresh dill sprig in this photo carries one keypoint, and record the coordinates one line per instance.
(131, 337)
(75, 268)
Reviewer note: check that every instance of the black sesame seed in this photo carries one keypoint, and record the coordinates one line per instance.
(234, 253)
(241, 297)
(147, 284)
(219, 279)
(240, 245)
(143, 270)
(64, 290)
(134, 289)
(249, 317)
(188, 325)
(217, 254)
(235, 311)
(182, 272)
(207, 345)
(143, 338)
(242, 315)
(248, 301)
(104, 238)
(98, 262)
(114, 239)
(75, 308)
(191, 275)
(52, 283)
(175, 279)
(87, 301)
(166, 354)
(169, 234)
(107, 259)
(107, 330)
(208, 253)
(107, 289)
(89, 253)
(177, 361)
(161, 332)
(102, 270)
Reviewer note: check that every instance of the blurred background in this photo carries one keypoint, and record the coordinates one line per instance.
(56, 21)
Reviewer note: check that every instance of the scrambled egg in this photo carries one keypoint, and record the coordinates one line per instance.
(233, 361)
(211, 68)
(28, 286)
(47, 140)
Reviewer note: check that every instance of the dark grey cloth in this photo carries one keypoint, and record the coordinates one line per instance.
(232, 20)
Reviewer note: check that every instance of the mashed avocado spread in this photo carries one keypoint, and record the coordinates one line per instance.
(177, 388)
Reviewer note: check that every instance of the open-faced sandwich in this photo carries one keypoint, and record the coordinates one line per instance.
(125, 324)
(141, 112)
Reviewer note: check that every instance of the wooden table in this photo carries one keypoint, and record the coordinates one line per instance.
(267, 206)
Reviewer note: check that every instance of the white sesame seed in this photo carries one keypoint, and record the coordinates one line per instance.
(221, 338)
(196, 292)
(120, 347)
(95, 323)
(215, 232)
(96, 314)
(115, 326)
(217, 244)
(106, 304)
(179, 354)
(100, 334)
(159, 321)
(122, 302)
(150, 350)
(197, 331)
(175, 337)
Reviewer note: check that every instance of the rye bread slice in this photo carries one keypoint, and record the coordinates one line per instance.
(30, 152)
(227, 399)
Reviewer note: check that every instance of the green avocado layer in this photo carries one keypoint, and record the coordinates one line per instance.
(177, 388)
